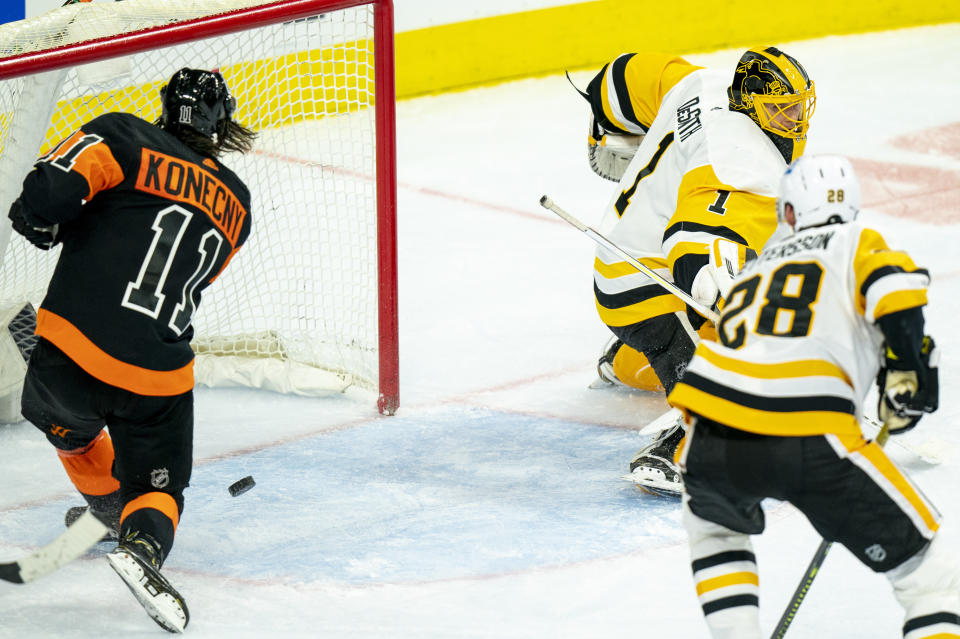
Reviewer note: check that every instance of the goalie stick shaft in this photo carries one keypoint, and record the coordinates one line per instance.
(73, 542)
(813, 568)
(600, 239)
(926, 457)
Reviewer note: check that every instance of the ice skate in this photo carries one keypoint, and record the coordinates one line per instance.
(137, 560)
(652, 468)
(605, 375)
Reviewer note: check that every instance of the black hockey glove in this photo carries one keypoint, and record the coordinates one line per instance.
(43, 237)
(907, 393)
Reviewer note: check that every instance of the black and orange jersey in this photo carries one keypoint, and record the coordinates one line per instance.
(146, 224)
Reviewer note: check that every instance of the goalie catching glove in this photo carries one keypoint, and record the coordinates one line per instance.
(43, 237)
(907, 393)
(610, 153)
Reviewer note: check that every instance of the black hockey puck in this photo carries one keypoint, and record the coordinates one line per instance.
(237, 488)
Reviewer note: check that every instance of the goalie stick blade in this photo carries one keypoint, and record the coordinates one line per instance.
(73, 542)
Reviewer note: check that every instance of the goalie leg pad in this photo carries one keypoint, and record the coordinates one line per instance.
(16, 344)
(664, 341)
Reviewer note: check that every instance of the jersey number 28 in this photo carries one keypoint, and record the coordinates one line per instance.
(788, 307)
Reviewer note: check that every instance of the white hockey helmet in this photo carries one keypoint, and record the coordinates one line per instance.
(822, 189)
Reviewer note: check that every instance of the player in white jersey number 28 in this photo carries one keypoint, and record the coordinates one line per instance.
(774, 410)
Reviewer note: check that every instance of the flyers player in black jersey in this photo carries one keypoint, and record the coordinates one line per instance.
(147, 217)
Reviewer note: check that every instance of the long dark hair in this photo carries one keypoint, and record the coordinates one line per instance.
(230, 136)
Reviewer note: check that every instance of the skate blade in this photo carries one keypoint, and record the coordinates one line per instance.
(163, 607)
(600, 382)
(655, 486)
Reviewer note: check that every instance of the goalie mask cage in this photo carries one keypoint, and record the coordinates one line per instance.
(309, 304)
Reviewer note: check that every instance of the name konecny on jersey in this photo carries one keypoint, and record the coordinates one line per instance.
(177, 179)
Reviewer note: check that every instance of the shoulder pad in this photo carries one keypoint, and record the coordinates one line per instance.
(741, 155)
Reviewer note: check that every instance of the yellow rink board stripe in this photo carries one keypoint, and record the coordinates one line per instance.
(545, 41)
(589, 34)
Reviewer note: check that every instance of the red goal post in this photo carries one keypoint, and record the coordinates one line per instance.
(310, 304)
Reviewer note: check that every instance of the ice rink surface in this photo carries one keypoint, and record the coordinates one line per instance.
(492, 505)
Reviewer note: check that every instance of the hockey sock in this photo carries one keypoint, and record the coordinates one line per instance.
(155, 514)
(725, 574)
(928, 587)
(90, 469)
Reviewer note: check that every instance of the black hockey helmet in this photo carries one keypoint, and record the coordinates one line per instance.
(196, 99)
(774, 90)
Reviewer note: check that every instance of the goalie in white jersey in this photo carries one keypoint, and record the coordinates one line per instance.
(775, 410)
(695, 199)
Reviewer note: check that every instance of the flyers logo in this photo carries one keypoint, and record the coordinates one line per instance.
(182, 181)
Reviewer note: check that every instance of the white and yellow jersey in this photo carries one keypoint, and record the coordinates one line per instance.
(799, 347)
(702, 172)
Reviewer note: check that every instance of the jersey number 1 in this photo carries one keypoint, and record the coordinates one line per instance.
(146, 294)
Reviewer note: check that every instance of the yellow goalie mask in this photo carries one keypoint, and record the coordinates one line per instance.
(774, 90)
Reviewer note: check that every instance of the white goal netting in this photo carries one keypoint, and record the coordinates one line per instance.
(297, 309)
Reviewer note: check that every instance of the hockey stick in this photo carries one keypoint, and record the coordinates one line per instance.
(927, 456)
(73, 542)
(813, 568)
(547, 203)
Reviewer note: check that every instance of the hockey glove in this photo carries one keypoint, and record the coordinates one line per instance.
(610, 153)
(905, 393)
(713, 282)
(43, 237)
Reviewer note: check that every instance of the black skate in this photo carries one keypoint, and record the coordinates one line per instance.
(652, 468)
(137, 560)
(605, 375)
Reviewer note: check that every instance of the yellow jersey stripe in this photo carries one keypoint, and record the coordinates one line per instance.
(780, 370)
(764, 422)
(620, 269)
(875, 455)
(899, 300)
(723, 581)
(656, 306)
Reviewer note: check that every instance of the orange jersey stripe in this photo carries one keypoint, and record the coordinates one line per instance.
(90, 468)
(161, 502)
(107, 368)
(94, 161)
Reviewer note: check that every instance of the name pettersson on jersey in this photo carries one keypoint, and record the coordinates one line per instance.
(795, 245)
(176, 179)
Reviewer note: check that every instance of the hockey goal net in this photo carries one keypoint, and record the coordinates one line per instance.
(309, 304)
